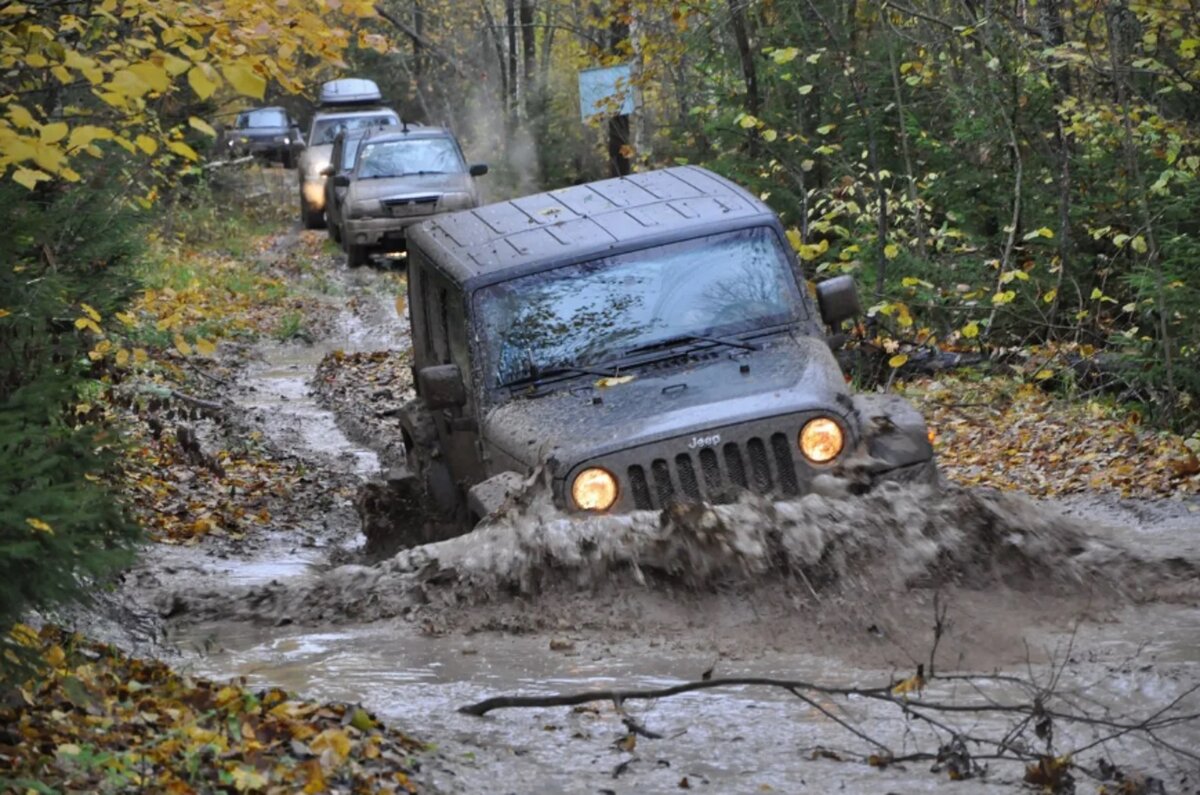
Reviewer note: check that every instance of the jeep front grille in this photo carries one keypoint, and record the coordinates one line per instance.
(717, 474)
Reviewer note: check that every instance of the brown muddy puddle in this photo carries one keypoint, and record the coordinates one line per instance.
(730, 740)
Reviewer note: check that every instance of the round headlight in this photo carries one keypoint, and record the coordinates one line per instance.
(594, 489)
(821, 440)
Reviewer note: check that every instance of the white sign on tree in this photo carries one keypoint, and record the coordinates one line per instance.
(605, 91)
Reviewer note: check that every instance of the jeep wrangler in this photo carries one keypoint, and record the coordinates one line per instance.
(638, 342)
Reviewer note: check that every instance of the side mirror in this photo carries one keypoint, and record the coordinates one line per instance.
(479, 169)
(441, 386)
(838, 300)
(327, 171)
(341, 181)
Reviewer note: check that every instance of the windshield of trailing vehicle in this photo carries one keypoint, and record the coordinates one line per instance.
(325, 130)
(597, 312)
(263, 118)
(408, 157)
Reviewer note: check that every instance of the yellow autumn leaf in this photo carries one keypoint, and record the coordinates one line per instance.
(335, 740)
(201, 125)
(152, 75)
(245, 80)
(1042, 375)
(147, 144)
(1050, 296)
(613, 380)
(891, 250)
(785, 55)
(92, 313)
(182, 345)
(39, 525)
(748, 121)
(21, 117)
(89, 324)
(912, 684)
(769, 135)
(971, 330)
(29, 177)
(898, 360)
(200, 82)
(4, 313)
(1139, 244)
(183, 150)
(140, 356)
(205, 347)
(122, 357)
(83, 136)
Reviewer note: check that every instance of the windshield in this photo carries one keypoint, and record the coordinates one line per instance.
(411, 156)
(596, 312)
(263, 118)
(325, 130)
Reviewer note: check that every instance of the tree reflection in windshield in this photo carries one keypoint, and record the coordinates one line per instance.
(594, 312)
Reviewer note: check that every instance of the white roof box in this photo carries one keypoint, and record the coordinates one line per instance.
(350, 91)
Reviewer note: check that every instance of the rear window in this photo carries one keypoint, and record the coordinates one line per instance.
(262, 118)
(326, 129)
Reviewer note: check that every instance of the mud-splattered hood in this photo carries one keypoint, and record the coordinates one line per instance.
(583, 421)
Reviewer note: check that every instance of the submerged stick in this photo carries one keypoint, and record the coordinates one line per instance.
(617, 696)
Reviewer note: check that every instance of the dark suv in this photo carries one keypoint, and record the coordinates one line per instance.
(646, 340)
(267, 132)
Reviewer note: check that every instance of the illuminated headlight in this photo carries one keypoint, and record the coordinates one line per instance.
(821, 440)
(594, 489)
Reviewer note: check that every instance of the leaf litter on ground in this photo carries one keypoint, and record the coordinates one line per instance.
(96, 720)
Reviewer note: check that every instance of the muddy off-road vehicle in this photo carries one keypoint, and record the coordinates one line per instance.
(638, 343)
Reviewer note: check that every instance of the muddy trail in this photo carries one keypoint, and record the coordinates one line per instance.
(1088, 607)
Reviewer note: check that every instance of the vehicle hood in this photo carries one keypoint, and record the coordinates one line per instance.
(431, 184)
(793, 374)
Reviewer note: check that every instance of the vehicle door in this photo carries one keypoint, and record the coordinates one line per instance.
(443, 317)
(332, 215)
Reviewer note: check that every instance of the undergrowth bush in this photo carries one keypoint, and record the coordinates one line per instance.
(66, 253)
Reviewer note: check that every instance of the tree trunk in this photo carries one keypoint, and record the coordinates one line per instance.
(529, 57)
(741, 35)
(510, 22)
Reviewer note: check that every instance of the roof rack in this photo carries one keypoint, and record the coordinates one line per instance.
(350, 91)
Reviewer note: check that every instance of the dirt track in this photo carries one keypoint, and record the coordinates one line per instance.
(1108, 599)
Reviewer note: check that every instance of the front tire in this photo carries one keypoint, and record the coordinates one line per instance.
(357, 256)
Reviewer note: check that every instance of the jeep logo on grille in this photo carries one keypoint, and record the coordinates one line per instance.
(704, 441)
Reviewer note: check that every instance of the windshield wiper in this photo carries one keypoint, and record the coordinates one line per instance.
(683, 339)
(545, 374)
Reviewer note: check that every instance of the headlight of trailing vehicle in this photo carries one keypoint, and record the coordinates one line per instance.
(821, 440)
(594, 489)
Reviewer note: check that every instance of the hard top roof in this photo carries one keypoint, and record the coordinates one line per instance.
(585, 221)
(249, 111)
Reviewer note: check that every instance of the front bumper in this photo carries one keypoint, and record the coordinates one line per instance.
(376, 231)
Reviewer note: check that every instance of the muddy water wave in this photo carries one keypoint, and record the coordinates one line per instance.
(883, 542)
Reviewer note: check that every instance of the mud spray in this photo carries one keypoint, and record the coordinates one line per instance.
(869, 548)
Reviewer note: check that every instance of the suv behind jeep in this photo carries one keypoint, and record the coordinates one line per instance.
(647, 340)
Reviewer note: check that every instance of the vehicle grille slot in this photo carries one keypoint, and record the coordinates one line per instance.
(712, 472)
(759, 467)
(733, 463)
(639, 488)
(687, 476)
(662, 481)
(784, 464)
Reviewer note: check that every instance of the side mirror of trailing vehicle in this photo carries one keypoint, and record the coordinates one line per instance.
(441, 386)
(479, 169)
(838, 300)
(327, 171)
(341, 180)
